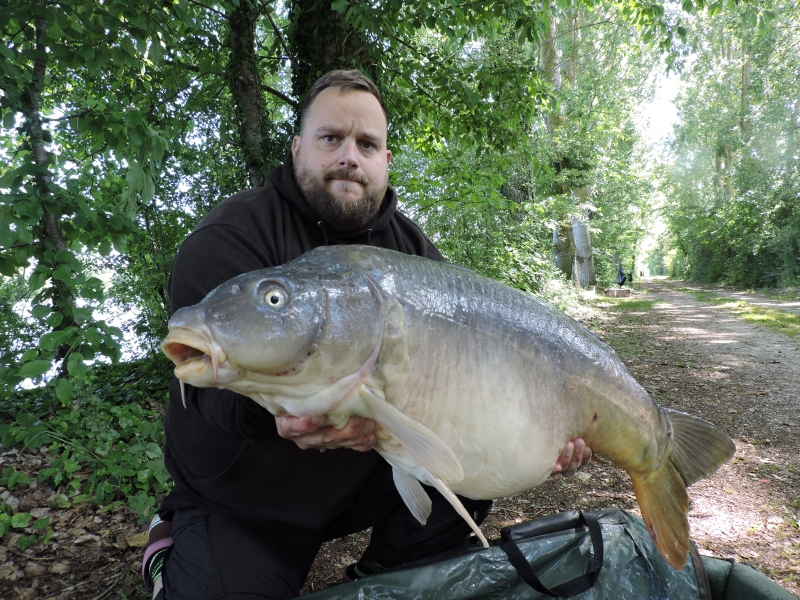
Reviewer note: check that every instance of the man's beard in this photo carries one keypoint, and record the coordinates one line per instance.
(345, 215)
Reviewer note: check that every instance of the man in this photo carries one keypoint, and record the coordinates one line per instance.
(255, 496)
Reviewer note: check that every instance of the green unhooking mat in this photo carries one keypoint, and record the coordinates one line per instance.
(598, 555)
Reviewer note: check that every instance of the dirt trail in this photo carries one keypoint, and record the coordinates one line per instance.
(792, 306)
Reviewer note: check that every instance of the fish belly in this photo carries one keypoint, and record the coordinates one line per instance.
(497, 409)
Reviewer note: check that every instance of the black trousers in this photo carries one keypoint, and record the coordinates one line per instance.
(217, 556)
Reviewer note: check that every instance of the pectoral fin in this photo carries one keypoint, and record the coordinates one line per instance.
(424, 445)
(453, 499)
(413, 494)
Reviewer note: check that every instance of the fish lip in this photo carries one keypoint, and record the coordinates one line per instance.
(182, 345)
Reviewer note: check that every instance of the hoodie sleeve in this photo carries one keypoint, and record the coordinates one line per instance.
(209, 257)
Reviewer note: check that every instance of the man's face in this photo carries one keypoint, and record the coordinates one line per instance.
(341, 163)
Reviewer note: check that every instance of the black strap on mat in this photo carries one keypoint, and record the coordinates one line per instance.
(572, 587)
(703, 585)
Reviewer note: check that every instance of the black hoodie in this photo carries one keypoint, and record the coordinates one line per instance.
(223, 450)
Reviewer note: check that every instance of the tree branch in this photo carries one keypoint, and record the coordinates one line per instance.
(214, 10)
(293, 59)
(281, 95)
(68, 117)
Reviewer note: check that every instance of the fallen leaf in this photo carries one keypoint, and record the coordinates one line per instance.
(137, 540)
(33, 569)
(89, 537)
(60, 568)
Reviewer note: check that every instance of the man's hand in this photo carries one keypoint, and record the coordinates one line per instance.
(357, 434)
(574, 456)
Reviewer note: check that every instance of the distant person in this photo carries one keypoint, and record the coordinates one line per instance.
(621, 278)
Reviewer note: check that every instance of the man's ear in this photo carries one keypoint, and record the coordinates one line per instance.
(295, 146)
(388, 156)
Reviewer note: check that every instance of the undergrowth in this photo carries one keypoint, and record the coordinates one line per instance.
(104, 448)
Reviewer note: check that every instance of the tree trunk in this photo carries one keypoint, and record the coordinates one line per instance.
(744, 126)
(564, 249)
(723, 163)
(552, 68)
(245, 84)
(584, 261)
(52, 238)
(321, 41)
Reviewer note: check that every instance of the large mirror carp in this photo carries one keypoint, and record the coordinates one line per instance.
(475, 387)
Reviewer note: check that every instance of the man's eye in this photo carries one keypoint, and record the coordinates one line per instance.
(367, 145)
(329, 138)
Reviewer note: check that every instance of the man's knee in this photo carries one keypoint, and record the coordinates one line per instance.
(217, 556)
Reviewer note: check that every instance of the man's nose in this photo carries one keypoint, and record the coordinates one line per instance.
(348, 156)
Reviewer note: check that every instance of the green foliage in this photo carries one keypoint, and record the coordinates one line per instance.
(107, 451)
(734, 182)
(39, 532)
(11, 478)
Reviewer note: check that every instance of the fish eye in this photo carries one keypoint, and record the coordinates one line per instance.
(275, 297)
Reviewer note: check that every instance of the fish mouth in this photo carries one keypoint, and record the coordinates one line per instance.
(195, 356)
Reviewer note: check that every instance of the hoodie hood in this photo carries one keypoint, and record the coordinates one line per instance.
(286, 185)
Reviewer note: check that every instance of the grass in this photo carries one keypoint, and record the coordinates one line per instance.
(628, 304)
(773, 318)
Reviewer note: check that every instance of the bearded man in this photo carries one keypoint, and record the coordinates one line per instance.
(255, 496)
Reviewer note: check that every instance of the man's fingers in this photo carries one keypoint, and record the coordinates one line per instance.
(292, 427)
(574, 456)
(358, 433)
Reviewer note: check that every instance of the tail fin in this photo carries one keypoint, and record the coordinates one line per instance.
(664, 503)
(698, 449)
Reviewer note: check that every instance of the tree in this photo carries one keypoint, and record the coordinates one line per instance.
(733, 176)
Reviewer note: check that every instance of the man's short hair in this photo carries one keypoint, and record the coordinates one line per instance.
(345, 80)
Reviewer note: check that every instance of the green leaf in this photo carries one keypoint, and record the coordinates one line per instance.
(126, 44)
(61, 501)
(155, 53)
(35, 368)
(77, 368)
(40, 311)
(340, 6)
(105, 247)
(37, 280)
(149, 189)
(64, 391)
(82, 314)
(20, 520)
(55, 319)
(5, 524)
(9, 120)
(53, 339)
(141, 503)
